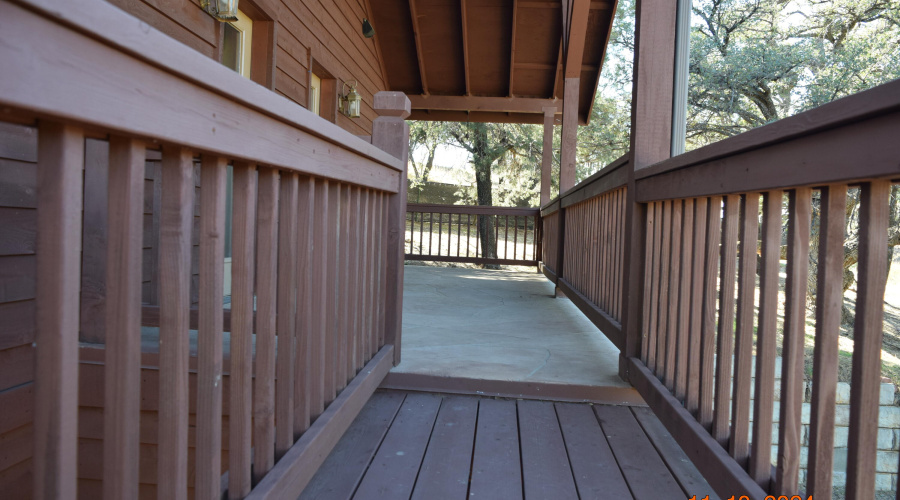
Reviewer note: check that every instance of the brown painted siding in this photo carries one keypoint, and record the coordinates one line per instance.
(90, 424)
(328, 31)
(18, 153)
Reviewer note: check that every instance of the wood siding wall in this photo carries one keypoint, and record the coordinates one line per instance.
(18, 216)
(327, 31)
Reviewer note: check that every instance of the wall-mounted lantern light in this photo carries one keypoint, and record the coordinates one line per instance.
(367, 30)
(221, 10)
(350, 100)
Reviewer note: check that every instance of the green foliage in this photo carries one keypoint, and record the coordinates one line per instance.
(756, 61)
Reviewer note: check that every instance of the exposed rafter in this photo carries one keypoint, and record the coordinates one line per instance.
(473, 103)
(384, 73)
(512, 50)
(420, 54)
(465, 44)
(559, 62)
(577, 35)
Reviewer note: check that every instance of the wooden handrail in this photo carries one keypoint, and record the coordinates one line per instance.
(190, 111)
(470, 209)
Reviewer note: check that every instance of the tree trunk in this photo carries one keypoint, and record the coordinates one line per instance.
(483, 187)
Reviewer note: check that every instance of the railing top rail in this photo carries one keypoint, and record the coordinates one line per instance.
(606, 179)
(470, 209)
(872, 103)
(96, 65)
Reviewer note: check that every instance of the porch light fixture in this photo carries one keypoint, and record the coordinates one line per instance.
(367, 30)
(350, 100)
(221, 10)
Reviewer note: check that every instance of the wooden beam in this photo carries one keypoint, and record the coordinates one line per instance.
(475, 117)
(465, 44)
(549, 66)
(577, 36)
(419, 52)
(512, 50)
(547, 154)
(473, 103)
(559, 63)
(540, 5)
(569, 140)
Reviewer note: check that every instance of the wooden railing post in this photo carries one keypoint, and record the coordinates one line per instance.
(651, 141)
(391, 133)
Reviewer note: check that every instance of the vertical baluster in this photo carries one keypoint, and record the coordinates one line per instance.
(286, 325)
(468, 232)
(458, 233)
(764, 391)
(175, 259)
(332, 342)
(421, 230)
(868, 335)
(60, 200)
(430, 232)
(266, 313)
(725, 331)
(672, 330)
(306, 385)
(478, 222)
(740, 409)
(121, 414)
(665, 251)
(684, 304)
(244, 248)
(621, 262)
(440, 232)
(365, 272)
(701, 212)
(353, 287)
(649, 285)
(382, 261)
(829, 297)
(609, 240)
(373, 274)
(321, 283)
(342, 299)
(789, 428)
(708, 327)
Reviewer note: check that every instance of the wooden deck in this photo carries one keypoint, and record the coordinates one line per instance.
(428, 446)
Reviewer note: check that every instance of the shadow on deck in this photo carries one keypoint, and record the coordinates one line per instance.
(502, 333)
(426, 446)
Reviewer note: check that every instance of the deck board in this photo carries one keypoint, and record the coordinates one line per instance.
(407, 445)
(448, 459)
(643, 468)
(393, 472)
(342, 471)
(496, 473)
(595, 469)
(545, 466)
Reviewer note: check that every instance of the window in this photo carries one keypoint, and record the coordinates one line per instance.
(236, 44)
(322, 91)
(315, 92)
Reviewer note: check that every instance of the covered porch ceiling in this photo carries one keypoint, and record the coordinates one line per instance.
(491, 60)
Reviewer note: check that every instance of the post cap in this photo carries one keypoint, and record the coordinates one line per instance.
(392, 104)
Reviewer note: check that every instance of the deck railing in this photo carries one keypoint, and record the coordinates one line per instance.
(702, 343)
(317, 258)
(457, 233)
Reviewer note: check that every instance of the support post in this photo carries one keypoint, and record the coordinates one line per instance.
(651, 142)
(569, 136)
(391, 133)
(547, 155)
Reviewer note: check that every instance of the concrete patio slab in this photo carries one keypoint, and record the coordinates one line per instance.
(499, 325)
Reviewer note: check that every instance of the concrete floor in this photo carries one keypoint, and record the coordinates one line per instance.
(499, 325)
